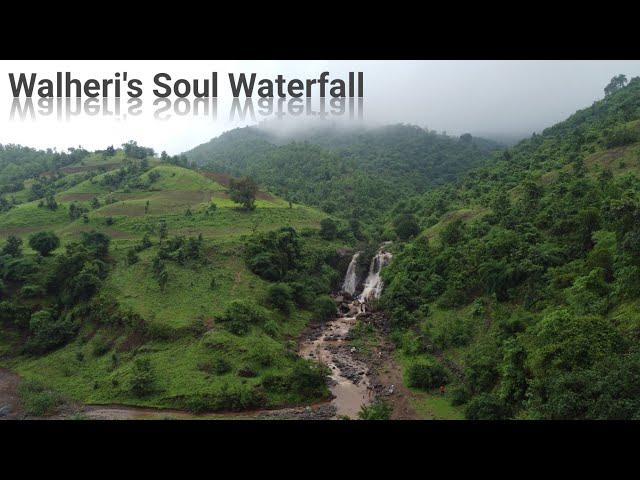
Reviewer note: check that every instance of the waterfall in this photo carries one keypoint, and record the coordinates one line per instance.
(350, 280)
(373, 283)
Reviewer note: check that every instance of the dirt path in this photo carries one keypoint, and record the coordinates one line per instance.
(9, 402)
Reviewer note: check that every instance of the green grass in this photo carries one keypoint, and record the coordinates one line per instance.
(431, 405)
(188, 294)
(180, 359)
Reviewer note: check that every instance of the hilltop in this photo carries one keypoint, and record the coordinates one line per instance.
(355, 173)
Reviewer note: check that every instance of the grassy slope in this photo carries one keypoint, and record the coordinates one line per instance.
(81, 373)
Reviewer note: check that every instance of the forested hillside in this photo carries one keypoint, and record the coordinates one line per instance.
(520, 290)
(356, 173)
(127, 278)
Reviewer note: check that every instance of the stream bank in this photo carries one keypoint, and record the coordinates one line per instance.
(356, 377)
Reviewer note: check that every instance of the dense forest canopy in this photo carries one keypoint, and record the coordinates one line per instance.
(525, 278)
(352, 173)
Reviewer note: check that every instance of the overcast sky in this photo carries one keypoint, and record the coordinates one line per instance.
(490, 98)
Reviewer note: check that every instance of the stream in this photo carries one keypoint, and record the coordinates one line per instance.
(349, 380)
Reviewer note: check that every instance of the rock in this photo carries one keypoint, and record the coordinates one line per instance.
(5, 410)
(339, 299)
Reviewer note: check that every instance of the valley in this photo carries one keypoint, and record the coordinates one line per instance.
(366, 273)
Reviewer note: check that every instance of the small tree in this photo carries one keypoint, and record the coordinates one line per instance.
(324, 308)
(616, 83)
(328, 229)
(406, 226)
(163, 231)
(243, 191)
(379, 410)
(13, 246)
(132, 257)
(44, 242)
(143, 377)
(163, 278)
(279, 295)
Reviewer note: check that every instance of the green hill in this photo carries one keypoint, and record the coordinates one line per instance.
(93, 321)
(524, 281)
(353, 173)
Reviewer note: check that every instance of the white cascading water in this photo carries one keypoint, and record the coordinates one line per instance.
(350, 279)
(373, 283)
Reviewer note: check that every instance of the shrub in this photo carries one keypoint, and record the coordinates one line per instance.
(240, 315)
(30, 291)
(306, 381)
(378, 410)
(425, 375)
(406, 226)
(279, 295)
(44, 242)
(142, 377)
(101, 345)
(36, 399)
(324, 308)
(460, 395)
(132, 257)
(49, 332)
(486, 407)
(328, 229)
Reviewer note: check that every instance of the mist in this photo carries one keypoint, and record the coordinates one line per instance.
(501, 100)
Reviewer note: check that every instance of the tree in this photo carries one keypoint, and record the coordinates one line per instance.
(132, 257)
(406, 226)
(143, 377)
(51, 203)
(328, 229)
(426, 375)
(163, 231)
(44, 242)
(324, 308)
(243, 191)
(279, 295)
(13, 246)
(97, 243)
(163, 278)
(616, 83)
(466, 138)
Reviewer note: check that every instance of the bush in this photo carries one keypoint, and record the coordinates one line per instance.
(460, 395)
(36, 399)
(379, 410)
(306, 381)
(324, 308)
(44, 242)
(132, 257)
(49, 332)
(328, 229)
(143, 377)
(101, 345)
(406, 226)
(486, 407)
(425, 375)
(241, 315)
(279, 295)
(30, 291)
